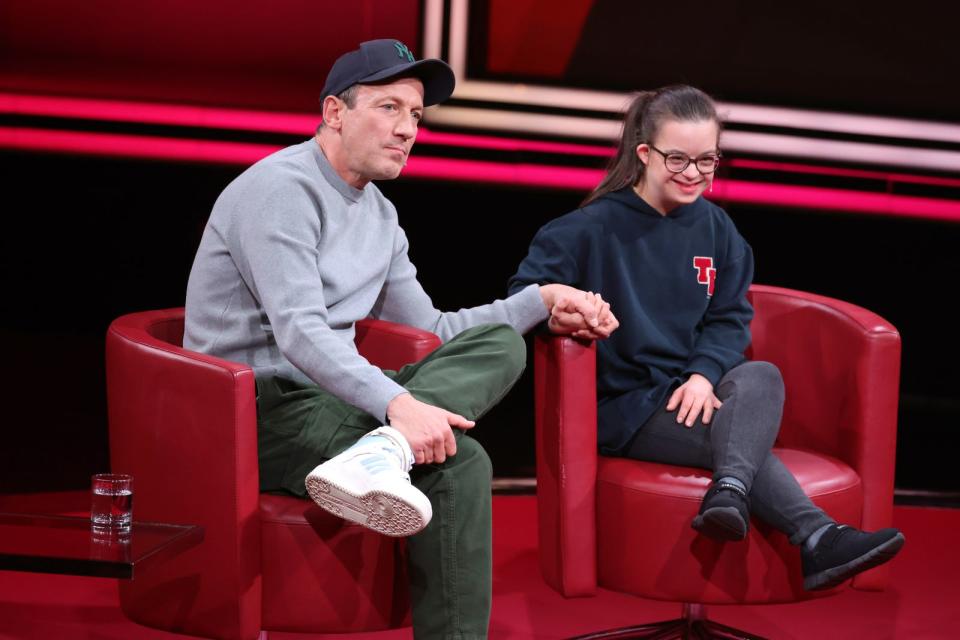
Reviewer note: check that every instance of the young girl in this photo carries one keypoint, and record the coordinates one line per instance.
(672, 382)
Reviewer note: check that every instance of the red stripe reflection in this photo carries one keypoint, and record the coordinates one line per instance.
(248, 120)
(133, 146)
(534, 175)
(792, 167)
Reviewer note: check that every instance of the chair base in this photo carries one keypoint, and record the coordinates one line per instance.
(693, 625)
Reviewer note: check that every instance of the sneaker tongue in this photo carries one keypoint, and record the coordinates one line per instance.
(395, 448)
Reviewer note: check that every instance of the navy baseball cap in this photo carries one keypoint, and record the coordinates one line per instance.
(377, 61)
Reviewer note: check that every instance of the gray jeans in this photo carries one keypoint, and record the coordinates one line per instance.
(737, 443)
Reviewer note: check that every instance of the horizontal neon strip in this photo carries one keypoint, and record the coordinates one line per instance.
(791, 167)
(249, 120)
(532, 175)
(156, 113)
(795, 197)
(569, 178)
(512, 144)
(303, 124)
(133, 146)
(736, 191)
(776, 145)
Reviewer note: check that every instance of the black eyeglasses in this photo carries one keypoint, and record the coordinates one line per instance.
(678, 162)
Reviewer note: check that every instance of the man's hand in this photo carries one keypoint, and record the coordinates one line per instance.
(581, 314)
(427, 428)
(692, 396)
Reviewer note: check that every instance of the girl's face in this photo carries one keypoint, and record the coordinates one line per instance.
(664, 190)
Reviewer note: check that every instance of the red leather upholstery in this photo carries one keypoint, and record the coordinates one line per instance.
(625, 525)
(185, 425)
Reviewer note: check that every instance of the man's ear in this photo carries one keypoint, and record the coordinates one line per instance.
(332, 111)
(643, 152)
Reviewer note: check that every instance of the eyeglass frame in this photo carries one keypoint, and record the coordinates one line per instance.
(696, 161)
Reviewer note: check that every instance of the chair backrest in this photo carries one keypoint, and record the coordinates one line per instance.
(184, 425)
(840, 362)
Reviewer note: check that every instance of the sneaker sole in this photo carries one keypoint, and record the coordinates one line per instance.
(721, 523)
(829, 578)
(378, 510)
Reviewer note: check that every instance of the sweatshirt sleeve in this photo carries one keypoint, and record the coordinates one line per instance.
(549, 260)
(275, 249)
(404, 300)
(725, 333)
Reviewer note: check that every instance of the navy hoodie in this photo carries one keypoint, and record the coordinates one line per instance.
(677, 284)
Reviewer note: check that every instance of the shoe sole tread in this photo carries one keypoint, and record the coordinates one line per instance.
(379, 510)
(721, 523)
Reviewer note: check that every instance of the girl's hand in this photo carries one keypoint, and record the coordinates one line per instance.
(693, 396)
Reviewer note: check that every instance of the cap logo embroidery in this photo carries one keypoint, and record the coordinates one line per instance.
(403, 51)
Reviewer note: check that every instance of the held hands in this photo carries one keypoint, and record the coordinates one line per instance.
(427, 428)
(692, 396)
(577, 313)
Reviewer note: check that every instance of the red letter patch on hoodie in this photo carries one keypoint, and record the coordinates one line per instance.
(706, 274)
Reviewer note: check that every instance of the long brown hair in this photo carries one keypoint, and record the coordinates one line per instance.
(648, 111)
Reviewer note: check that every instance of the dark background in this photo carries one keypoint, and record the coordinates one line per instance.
(871, 58)
(85, 240)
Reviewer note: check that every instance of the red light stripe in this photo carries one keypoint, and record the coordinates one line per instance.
(511, 144)
(533, 175)
(248, 120)
(797, 197)
(303, 124)
(790, 167)
(133, 146)
(156, 113)
(235, 153)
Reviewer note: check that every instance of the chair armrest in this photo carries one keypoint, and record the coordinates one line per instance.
(389, 345)
(841, 368)
(566, 444)
(184, 424)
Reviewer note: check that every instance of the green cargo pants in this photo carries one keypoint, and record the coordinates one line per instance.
(450, 561)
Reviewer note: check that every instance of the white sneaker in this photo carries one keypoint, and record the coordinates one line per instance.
(369, 484)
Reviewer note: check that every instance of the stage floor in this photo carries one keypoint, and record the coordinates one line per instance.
(921, 603)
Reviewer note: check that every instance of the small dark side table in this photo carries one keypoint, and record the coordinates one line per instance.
(67, 545)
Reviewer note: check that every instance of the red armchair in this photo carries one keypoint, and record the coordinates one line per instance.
(185, 425)
(625, 525)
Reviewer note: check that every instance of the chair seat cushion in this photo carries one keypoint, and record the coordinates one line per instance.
(321, 572)
(687, 567)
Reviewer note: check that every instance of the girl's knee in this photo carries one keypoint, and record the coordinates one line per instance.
(758, 377)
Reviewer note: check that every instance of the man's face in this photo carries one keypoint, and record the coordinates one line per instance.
(378, 132)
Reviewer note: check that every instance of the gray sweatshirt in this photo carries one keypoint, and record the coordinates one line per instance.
(293, 256)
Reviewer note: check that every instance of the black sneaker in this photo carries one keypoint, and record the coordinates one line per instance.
(724, 513)
(843, 551)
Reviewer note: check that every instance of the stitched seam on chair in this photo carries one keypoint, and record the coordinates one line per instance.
(663, 494)
(173, 349)
(825, 306)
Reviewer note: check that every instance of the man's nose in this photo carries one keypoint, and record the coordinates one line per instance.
(406, 127)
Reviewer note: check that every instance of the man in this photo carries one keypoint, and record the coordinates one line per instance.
(300, 247)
